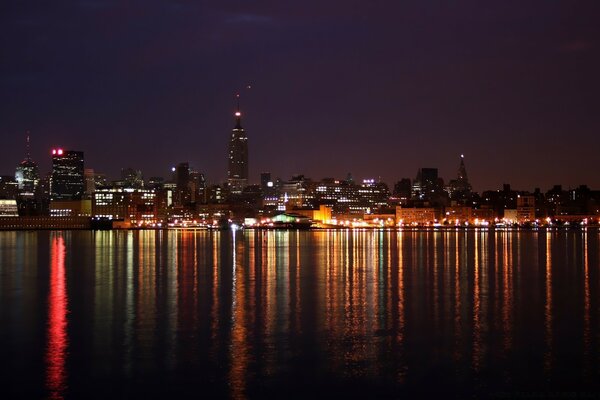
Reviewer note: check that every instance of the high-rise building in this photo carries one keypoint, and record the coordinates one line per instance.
(425, 184)
(402, 189)
(460, 188)
(90, 182)
(237, 172)
(27, 175)
(67, 181)
(197, 186)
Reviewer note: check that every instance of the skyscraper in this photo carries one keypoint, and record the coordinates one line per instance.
(237, 172)
(460, 188)
(67, 181)
(27, 174)
(425, 184)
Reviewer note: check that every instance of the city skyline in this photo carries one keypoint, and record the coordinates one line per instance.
(451, 178)
(375, 90)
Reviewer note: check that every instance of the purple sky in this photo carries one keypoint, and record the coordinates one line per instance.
(376, 88)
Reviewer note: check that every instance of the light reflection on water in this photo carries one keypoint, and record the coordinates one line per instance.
(252, 313)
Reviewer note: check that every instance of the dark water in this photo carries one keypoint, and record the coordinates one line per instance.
(296, 314)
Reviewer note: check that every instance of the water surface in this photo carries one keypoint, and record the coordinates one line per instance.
(291, 314)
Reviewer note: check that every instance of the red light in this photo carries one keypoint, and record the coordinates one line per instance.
(60, 152)
(58, 340)
(53, 152)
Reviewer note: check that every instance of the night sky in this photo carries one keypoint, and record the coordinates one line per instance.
(375, 88)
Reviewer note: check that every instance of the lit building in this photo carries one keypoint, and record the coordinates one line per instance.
(296, 193)
(70, 208)
(342, 196)
(135, 206)
(372, 196)
(90, 182)
(67, 181)
(237, 172)
(416, 216)
(27, 175)
(8, 208)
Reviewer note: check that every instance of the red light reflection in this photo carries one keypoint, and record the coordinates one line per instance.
(57, 322)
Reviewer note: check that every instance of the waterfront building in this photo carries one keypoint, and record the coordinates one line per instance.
(133, 206)
(8, 208)
(416, 215)
(70, 208)
(67, 180)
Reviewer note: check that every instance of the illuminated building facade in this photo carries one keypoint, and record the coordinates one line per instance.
(237, 172)
(27, 176)
(372, 195)
(8, 208)
(135, 206)
(297, 193)
(67, 181)
(416, 216)
(342, 196)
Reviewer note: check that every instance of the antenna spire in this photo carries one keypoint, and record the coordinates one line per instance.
(238, 114)
(27, 147)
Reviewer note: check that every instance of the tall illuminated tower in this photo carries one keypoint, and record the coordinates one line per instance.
(237, 172)
(27, 174)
